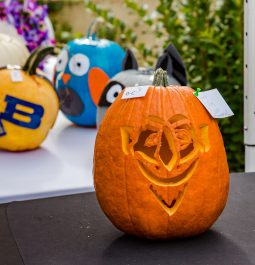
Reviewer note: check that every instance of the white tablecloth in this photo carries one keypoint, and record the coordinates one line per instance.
(61, 166)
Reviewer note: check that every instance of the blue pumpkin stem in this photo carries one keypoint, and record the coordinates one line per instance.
(93, 27)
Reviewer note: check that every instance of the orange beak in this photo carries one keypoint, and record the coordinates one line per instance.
(66, 78)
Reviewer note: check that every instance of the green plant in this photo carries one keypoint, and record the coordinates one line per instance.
(114, 28)
(208, 35)
(63, 30)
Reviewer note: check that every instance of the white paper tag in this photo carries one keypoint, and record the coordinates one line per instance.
(16, 76)
(215, 103)
(135, 92)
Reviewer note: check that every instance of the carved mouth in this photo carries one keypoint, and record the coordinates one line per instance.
(173, 205)
(171, 181)
(170, 206)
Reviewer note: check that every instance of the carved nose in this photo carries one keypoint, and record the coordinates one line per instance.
(66, 78)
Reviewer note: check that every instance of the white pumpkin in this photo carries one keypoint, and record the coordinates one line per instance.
(8, 29)
(12, 51)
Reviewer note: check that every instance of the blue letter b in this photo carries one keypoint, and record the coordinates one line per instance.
(10, 110)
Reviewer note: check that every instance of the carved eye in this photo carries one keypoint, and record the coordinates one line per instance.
(184, 136)
(113, 92)
(147, 143)
(79, 64)
(183, 132)
(62, 61)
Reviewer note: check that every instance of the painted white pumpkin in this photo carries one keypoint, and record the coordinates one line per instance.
(12, 51)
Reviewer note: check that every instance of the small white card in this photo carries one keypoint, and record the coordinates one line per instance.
(215, 103)
(16, 75)
(135, 92)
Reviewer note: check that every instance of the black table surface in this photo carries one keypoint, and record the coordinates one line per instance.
(72, 230)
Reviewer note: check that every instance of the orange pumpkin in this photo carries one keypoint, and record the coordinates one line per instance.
(160, 167)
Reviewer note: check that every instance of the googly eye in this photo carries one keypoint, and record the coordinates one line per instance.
(62, 61)
(79, 64)
(113, 92)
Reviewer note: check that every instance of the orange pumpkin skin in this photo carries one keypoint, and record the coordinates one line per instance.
(154, 193)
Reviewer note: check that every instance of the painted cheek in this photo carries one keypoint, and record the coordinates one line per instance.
(97, 82)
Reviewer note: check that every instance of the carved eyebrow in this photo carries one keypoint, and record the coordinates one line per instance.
(181, 123)
(179, 120)
(177, 117)
(155, 119)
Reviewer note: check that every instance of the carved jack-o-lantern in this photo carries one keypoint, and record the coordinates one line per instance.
(160, 166)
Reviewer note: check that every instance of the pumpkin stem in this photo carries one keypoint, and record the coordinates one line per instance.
(36, 57)
(160, 78)
(93, 28)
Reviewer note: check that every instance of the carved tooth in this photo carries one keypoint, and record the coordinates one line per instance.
(165, 203)
(173, 203)
(152, 188)
(179, 194)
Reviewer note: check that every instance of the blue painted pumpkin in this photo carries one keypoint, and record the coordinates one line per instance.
(83, 68)
(131, 75)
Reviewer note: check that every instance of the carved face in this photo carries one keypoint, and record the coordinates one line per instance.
(167, 154)
(160, 168)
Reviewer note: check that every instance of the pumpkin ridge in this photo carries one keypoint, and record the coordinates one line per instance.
(149, 102)
(166, 92)
(203, 203)
(131, 110)
(183, 99)
(220, 179)
(168, 95)
(204, 188)
(189, 116)
(219, 160)
(130, 106)
(124, 108)
(220, 186)
(162, 103)
(168, 191)
(104, 124)
(127, 201)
